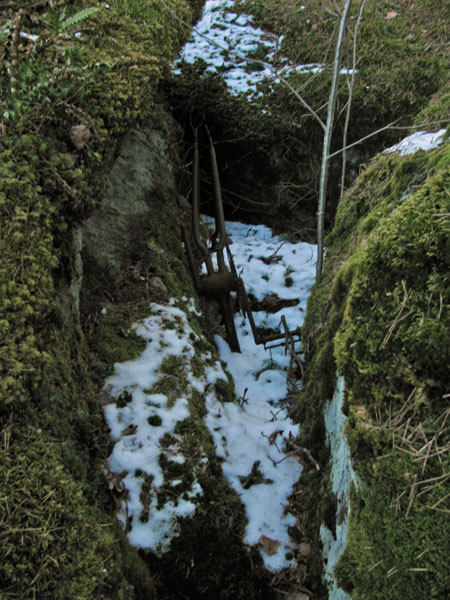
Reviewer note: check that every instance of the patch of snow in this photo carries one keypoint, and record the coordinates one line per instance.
(289, 274)
(139, 427)
(420, 140)
(243, 434)
(342, 475)
(29, 36)
(225, 41)
(23, 34)
(250, 435)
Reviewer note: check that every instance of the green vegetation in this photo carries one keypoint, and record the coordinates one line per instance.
(55, 544)
(380, 315)
(57, 538)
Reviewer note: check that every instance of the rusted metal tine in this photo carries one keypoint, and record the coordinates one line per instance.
(196, 209)
(246, 309)
(220, 235)
(272, 337)
(290, 346)
(216, 284)
(219, 284)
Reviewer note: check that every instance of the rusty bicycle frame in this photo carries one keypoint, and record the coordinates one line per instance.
(219, 283)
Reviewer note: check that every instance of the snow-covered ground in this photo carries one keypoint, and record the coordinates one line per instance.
(250, 435)
(229, 43)
(258, 430)
(140, 420)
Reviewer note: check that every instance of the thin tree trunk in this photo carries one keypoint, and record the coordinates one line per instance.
(327, 141)
(351, 85)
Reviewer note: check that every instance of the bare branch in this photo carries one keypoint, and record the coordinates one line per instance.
(388, 126)
(351, 85)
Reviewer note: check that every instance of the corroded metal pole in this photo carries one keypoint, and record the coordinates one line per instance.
(220, 235)
(196, 209)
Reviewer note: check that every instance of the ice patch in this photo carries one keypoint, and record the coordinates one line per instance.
(342, 475)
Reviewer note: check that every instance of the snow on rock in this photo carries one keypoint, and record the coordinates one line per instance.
(420, 140)
(139, 420)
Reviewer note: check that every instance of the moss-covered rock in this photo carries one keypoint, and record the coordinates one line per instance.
(55, 543)
(60, 541)
(379, 314)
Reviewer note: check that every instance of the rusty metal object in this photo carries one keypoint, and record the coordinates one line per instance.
(219, 283)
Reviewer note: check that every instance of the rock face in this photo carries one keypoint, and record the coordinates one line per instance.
(79, 136)
(142, 166)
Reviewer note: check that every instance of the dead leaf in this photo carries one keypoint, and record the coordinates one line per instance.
(273, 436)
(129, 430)
(304, 548)
(80, 136)
(268, 545)
(391, 15)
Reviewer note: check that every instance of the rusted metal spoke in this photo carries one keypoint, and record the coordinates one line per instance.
(196, 207)
(220, 235)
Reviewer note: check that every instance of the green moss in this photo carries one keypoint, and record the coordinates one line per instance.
(208, 558)
(25, 276)
(174, 366)
(114, 341)
(380, 310)
(57, 540)
(404, 262)
(225, 389)
(389, 556)
(435, 115)
(288, 282)
(54, 542)
(400, 60)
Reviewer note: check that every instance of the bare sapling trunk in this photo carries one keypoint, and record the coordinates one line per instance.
(327, 140)
(351, 85)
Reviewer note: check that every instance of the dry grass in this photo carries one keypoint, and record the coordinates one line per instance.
(426, 444)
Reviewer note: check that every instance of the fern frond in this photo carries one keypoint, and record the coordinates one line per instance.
(80, 17)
